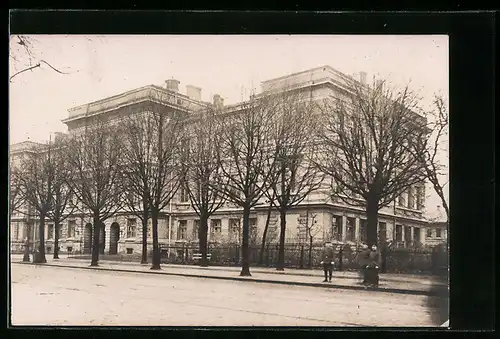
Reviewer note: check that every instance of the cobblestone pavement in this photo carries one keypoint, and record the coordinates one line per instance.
(45, 295)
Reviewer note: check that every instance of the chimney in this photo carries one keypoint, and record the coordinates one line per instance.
(362, 77)
(193, 92)
(172, 85)
(218, 101)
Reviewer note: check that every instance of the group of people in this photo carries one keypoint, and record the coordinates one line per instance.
(369, 260)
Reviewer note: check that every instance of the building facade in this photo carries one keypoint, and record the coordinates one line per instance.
(403, 222)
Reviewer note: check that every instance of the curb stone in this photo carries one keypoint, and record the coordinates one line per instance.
(249, 279)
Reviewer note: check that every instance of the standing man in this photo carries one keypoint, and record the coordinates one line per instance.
(374, 261)
(327, 261)
(362, 259)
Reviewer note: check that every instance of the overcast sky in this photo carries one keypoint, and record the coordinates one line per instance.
(101, 66)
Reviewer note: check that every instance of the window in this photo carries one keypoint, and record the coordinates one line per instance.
(131, 228)
(429, 233)
(215, 226)
(420, 197)
(407, 234)
(234, 230)
(337, 227)
(50, 231)
(15, 231)
(184, 196)
(401, 199)
(399, 233)
(196, 228)
(416, 234)
(253, 230)
(411, 198)
(351, 229)
(382, 232)
(71, 228)
(363, 225)
(438, 233)
(60, 232)
(182, 230)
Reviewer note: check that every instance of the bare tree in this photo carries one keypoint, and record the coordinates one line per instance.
(368, 137)
(37, 180)
(245, 153)
(271, 201)
(138, 160)
(202, 175)
(62, 204)
(310, 227)
(94, 159)
(430, 155)
(23, 54)
(296, 154)
(16, 193)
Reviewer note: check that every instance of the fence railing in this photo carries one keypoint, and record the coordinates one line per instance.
(394, 260)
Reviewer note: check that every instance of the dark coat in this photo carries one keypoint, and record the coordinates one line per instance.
(374, 258)
(363, 257)
(328, 255)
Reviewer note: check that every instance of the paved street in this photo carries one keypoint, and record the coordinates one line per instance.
(44, 295)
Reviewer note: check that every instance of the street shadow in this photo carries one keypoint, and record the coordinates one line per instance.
(438, 302)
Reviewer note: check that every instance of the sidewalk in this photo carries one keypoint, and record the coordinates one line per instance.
(392, 283)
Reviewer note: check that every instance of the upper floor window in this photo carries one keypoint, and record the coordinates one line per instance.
(411, 197)
(402, 199)
(184, 196)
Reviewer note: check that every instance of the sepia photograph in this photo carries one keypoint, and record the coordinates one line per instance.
(229, 180)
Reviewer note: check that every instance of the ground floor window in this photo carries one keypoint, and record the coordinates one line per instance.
(351, 229)
(429, 233)
(337, 227)
(196, 228)
(182, 230)
(131, 228)
(382, 232)
(399, 233)
(71, 228)
(50, 231)
(363, 225)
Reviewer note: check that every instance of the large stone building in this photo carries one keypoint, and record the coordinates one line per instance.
(402, 222)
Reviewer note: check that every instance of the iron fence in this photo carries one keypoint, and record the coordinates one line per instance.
(300, 256)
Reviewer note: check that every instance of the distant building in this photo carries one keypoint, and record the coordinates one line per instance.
(402, 222)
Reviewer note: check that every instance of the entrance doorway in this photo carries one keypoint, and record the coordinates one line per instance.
(114, 236)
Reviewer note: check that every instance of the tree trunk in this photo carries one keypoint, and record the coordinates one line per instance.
(57, 226)
(264, 235)
(203, 238)
(144, 258)
(40, 257)
(26, 255)
(245, 262)
(95, 245)
(281, 252)
(372, 222)
(156, 248)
